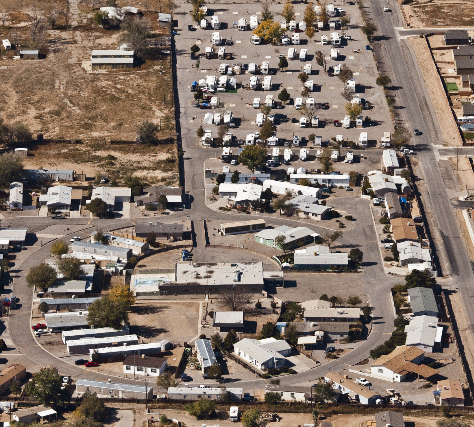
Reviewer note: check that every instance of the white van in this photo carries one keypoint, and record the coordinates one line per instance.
(250, 139)
(234, 414)
(253, 22)
(228, 118)
(256, 103)
(285, 40)
(298, 103)
(6, 44)
(349, 157)
(287, 155)
(276, 154)
(303, 53)
(207, 138)
(217, 119)
(346, 123)
(256, 39)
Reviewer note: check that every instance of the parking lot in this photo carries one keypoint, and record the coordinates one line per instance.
(326, 91)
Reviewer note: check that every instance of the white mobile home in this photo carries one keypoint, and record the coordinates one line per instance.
(253, 22)
(253, 83)
(267, 83)
(242, 24)
(303, 53)
(256, 103)
(265, 68)
(292, 53)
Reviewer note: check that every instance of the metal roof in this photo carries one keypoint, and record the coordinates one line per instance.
(113, 386)
(210, 391)
(228, 317)
(422, 330)
(422, 300)
(119, 339)
(205, 353)
(65, 301)
(65, 320)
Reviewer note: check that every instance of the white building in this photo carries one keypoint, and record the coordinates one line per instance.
(144, 365)
(111, 59)
(289, 393)
(423, 332)
(389, 160)
(413, 253)
(227, 320)
(240, 194)
(307, 207)
(205, 355)
(149, 349)
(346, 386)
(16, 195)
(84, 345)
(58, 197)
(137, 247)
(382, 183)
(281, 187)
(318, 256)
(105, 389)
(263, 354)
(294, 237)
(112, 195)
(196, 393)
(331, 180)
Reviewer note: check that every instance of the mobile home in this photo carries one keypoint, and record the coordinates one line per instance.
(253, 22)
(256, 103)
(267, 83)
(303, 154)
(242, 24)
(303, 53)
(253, 82)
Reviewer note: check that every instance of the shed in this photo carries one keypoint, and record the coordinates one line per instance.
(456, 37)
(29, 54)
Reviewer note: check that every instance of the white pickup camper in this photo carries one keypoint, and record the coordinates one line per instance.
(256, 103)
(298, 103)
(260, 119)
(215, 24)
(207, 138)
(253, 68)
(308, 68)
(303, 53)
(253, 82)
(269, 101)
(292, 53)
(216, 39)
(303, 154)
(295, 38)
(267, 83)
(256, 39)
(265, 67)
(287, 155)
(253, 22)
(242, 24)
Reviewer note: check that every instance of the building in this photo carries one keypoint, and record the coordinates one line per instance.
(111, 59)
(319, 257)
(58, 304)
(333, 314)
(244, 178)
(393, 206)
(403, 229)
(29, 54)
(290, 393)
(49, 175)
(150, 284)
(144, 365)
(71, 287)
(119, 353)
(401, 363)
(284, 187)
(115, 390)
(423, 332)
(329, 180)
(389, 418)
(307, 207)
(381, 183)
(412, 253)
(85, 345)
(467, 109)
(456, 37)
(345, 385)
(57, 322)
(34, 413)
(423, 302)
(58, 197)
(242, 227)
(163, 231)
(263, 354)
(174, 196)
(96, 248)
(205, 355)
(115, 197)
(92, 333)
(14, 372)
(196, 393)
(464, 66)
(389, 160)
(137, 247)
(293, 237)
(15, 236)
(16, 196)
(240, 194)
(449, 392)
(227, 320)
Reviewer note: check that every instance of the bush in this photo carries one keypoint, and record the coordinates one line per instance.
(258, 305)
(349, 217)
(291, 371)
(266, 376)
(388, 258)
(384, 219)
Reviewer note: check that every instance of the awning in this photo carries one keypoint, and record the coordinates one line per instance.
(174, 199)
(47, 413)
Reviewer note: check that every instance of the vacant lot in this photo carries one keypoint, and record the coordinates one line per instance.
(177, 322)
(440, 13)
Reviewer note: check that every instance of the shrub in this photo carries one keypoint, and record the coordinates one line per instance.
(291, 371)
(388, 258)
(265, 376)
(258, 305)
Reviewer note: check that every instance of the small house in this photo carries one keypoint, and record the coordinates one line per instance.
(15, 372)
(423, 302)
(290, 393)
(389, 418)
(343, 385)
(144, 365)
(29, 54)
(449, 392)
(115, 390)
(456, 37)
(205, 355)
(263, 354)
(229, 320)
(112, 59)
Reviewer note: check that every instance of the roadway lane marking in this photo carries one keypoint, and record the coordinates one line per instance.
(335, 106)
(198, 41)
(203, 71)
(244, 56)
(290, 87)
(220, 13)
(356, 74)
(235, 13)
(50, 236)
(289, 72)
(232, 105)
(238, 41)
(331, 87)
(268, 57)
(297, 14)
(351, 57)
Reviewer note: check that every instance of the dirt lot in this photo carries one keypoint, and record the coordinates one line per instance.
(439, 13)
(154, 321)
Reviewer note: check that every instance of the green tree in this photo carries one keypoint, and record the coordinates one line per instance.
(421, 279)
(326, 161)
(162, 202)
(324, 297)
(369, 29)
(101, 18)
(146, 133)
(215, 371)
(272, 397)
(345, 73)
(235, 177)
(100, 237)
(291, 335)
(151, 238)
(197, 15)
(395, 252)
(135, 34)
(354, 300)
(42, 276)
(407, 174)
(92, 407)
(135, 184)
(334, 300)
(269, 31)
(43, 307)
(310, 32)
(98, 207)
(267, 130)
(251, 418)
(45, 387)
(267, 15)
(288, 12)
(217, 341)
(284, 96)
(166, 380)
(254, 157)
(11, 170)
(195, 48)
(203, 409)
(332, 238)
(59, 247)
(319, 56)
(323, 392)
(121, 292)
(70, 268)
(280, 204)
(220, 178)
(15, 387)
(309, 19)
(108, 313)
(383, 80)
(200, 132)
(279, 241)
(345, 20)
(353, 110)
(356, 255)
(283, 63)
(303, 77)
(269, 330)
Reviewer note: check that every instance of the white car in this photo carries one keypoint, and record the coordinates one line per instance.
(362, 381)
(40, 332)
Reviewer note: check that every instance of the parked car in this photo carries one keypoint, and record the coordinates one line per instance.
(91, 364)
(191, 28)
(40, 332)
(362, 381)
(330, 349)
(386, 241)
(388, 245)
(80, 362)
(38, 326)
(417, 132)
(234, 162)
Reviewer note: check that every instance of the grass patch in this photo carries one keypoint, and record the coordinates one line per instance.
(452, 87)
(468, 136)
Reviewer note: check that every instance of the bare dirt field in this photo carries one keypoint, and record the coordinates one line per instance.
(174, 321)
(439, 13)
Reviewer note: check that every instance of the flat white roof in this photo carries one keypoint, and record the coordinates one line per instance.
(116, 52)
(104, 340)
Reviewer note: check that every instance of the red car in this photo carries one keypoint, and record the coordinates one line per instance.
(91, 364)
(38, 326)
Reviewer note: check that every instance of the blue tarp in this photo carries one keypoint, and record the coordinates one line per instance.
(402, 200)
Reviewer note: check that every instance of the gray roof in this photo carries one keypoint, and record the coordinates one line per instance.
(210, 391)
(206, 353)
(320, 255)
(15, 234)
(143, 228)
(467, 109)
(313, 208)
(456, 34)
(29, 52)
(422, 299)
(256, 351)
(113, 386)
(463, 51)
(66, 301)
(119, 339)
(291, 234)
(287, 388)
(70, 287)
(392, 202)
(274, 345)
(422, 330)
(65, 320)
(78, 245)
(463, 62)
(394, 419)
(228, 318)
(90, 332)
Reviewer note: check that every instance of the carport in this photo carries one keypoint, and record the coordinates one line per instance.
(46, 415)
